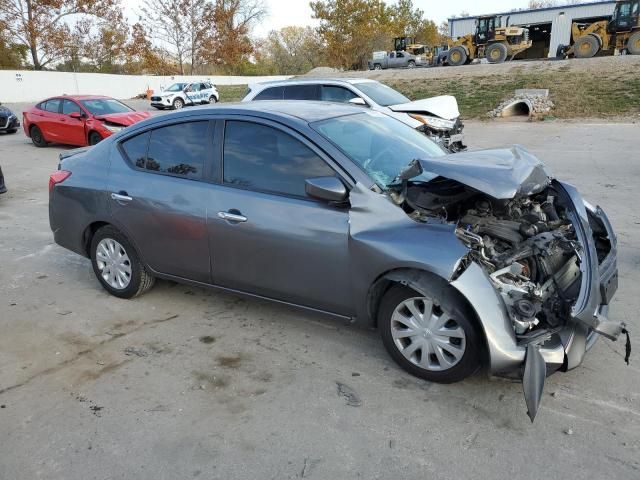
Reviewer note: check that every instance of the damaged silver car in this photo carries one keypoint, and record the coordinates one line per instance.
(477, 259)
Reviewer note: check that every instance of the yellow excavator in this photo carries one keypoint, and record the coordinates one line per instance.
(620, 32)
(491, 41)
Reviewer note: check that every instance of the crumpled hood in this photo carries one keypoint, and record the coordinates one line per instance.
(500, 173)
(444, 106)
(125, 119)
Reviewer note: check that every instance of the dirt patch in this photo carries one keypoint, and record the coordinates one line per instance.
(230, 361)
(207, 339)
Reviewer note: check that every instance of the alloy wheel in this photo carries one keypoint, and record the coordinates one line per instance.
(113, 263)
(426, 335)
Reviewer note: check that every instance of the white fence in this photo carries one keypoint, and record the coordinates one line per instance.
(30, 86)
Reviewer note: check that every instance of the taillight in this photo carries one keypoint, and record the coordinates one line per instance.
(58, 177)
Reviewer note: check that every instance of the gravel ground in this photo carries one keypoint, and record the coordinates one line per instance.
(191, 383)
(586, 66)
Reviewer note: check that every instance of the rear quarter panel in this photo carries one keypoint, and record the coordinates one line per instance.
(82, 198)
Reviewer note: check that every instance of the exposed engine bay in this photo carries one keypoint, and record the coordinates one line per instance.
(526, 244)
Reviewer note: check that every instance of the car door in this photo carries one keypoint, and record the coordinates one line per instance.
(71, 129)
(266, 236)
(49, 123)
(192, 94)
(159, 198)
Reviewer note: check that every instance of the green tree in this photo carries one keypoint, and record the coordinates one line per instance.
(47, 28)
(292, 50)
(12, 55)
(352, 29)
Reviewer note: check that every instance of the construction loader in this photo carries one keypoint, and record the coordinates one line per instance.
(619, 33)
(491, 41)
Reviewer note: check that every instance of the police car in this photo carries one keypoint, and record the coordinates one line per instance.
(183, 93)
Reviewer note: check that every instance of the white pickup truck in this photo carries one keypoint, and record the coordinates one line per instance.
(383, 60)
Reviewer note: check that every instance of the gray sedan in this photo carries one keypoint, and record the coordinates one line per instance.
(460, 261)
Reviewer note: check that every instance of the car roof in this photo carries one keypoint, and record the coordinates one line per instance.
(307, 111)
(313, 80)
(79, 97)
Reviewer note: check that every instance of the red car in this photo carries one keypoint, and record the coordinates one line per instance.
(77, 120)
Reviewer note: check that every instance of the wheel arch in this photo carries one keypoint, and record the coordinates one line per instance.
(417, 279)
(89, 232)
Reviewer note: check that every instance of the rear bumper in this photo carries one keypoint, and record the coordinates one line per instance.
(589, 316)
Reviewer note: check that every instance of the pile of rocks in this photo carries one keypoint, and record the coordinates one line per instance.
(528, 102)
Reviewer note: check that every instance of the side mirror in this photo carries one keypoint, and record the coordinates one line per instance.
(358, 101)
(330, 189)
(76, 115)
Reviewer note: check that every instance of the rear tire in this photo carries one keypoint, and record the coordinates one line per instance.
(633, 44)
(444, 335)
(586, 47)
(37, 138)
(496, 53)
(457, 56)
(94, 138)
(117, 264)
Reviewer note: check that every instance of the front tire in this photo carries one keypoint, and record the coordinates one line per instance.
(411, 64)
(457, 56)
(377, 66)
(117, 264)
(431, 337)
(213, 99)
(178, 104)
(37, 138)
(94, 138)
(586, 47)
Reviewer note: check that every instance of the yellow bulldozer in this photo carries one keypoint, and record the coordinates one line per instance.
(621, 32)
(409, 44)
(491, 41)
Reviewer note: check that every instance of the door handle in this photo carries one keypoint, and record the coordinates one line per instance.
(232, 217)
(118, 197)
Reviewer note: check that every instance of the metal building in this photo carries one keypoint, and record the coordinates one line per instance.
(548, 27)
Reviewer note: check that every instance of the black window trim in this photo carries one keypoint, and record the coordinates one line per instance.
(209, 160)
(337, 169)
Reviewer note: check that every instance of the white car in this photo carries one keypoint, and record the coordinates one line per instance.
(436, 117)
(183, 93)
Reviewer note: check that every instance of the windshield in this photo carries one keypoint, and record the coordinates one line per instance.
(105, 106)
(176, 87)
(382, 146)
(381, 94)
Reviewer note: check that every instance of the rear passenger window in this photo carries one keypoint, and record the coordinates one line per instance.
(332, 93)
(136, 149)
(52, 106)
(301, 92)
(262, 158)
(273, 93)
(177, 149)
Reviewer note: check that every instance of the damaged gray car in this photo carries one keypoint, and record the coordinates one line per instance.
(477, 259)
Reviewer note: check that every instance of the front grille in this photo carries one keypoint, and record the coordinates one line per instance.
(156, 99)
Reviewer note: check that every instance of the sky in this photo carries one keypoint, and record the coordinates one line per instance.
(297, 12)
(282, 13)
